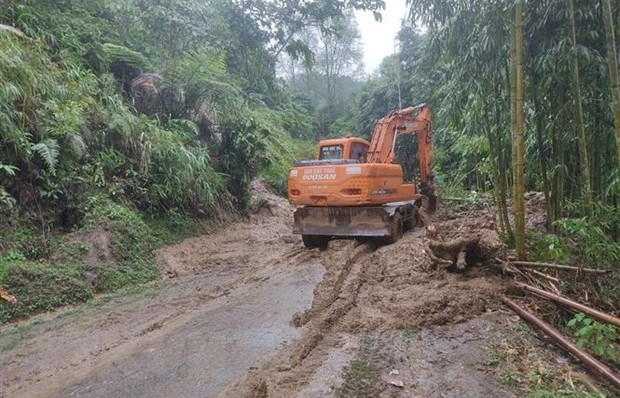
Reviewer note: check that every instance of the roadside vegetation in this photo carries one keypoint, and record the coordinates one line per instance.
(130, 121)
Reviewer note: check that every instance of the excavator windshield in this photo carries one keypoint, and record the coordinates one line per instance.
(330, 152)
(359, 151)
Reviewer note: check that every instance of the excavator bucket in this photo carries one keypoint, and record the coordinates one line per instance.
(429, 204)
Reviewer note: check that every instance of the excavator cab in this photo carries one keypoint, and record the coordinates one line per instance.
(348, 148)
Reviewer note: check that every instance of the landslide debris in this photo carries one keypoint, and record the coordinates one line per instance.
(368, 288)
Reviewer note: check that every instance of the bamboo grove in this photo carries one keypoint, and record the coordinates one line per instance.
(526, 96)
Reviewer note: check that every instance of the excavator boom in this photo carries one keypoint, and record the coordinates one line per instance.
(399, 123)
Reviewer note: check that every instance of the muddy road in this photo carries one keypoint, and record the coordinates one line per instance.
(247, 311)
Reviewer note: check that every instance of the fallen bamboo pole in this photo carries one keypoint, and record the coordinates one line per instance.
(572, 304)
(543, 275)
(586, 358)
(559, 266)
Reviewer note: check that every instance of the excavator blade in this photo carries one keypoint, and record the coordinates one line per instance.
(342, 221)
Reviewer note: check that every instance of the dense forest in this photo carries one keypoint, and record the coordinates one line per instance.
(142, 117)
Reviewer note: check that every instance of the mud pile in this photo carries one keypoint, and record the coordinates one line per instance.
(400, 285)
(367, 288)
(535, 211)
(263, 234)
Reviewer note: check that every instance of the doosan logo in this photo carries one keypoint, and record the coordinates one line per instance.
(319, 177)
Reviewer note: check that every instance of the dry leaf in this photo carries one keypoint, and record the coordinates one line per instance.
(6, 296)
(397, 383)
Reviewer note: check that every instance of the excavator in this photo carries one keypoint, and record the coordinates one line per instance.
(354, 189)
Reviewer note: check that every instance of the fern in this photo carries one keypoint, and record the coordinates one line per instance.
(8, 169)
(121, 54)
(48, 150)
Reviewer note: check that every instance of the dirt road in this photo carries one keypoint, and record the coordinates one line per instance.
(249, 312)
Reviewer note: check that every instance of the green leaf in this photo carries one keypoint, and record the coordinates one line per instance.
(8, 169)
(48, 150)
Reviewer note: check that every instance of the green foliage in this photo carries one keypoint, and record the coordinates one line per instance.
(593, 237)
(48, 150)
(598, 337)
(43, 276)
(544, 392)
(39, 286)
(546, 247)
(117, 112)
(120, 54)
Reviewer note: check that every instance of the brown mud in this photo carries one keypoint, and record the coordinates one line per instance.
(248, 312)
(370, 289)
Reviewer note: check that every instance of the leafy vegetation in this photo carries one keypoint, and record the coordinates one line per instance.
(114, 114)
(600, 338)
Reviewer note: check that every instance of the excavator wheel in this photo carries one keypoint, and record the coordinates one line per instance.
(312, 241)
(396, 229)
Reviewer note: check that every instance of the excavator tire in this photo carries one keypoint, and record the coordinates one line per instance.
(396, 229)
(312, 241)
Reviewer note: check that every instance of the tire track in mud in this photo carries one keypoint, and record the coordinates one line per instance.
(292, 368)
(338, 300)
(330, 288)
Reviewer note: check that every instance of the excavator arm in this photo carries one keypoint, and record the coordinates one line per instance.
(412, 120)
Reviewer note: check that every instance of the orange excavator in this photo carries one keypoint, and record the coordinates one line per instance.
(353, 188)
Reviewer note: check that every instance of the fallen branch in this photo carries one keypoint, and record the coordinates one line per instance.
(559, 266)
(572, 304)
(543, 275)
(509, 268)
(586, 358)
(554, 288)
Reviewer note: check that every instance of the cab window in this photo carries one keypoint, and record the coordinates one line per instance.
(359, 151)
(331, 152)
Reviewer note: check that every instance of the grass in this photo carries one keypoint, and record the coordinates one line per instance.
(61, 275)
(362, 377)
(408, 333)
(22, 332)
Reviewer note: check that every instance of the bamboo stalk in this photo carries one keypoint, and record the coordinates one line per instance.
(583, 356)
(559, 266)
(543, 275)
(608, 22)
(572, 304)
(519, 127)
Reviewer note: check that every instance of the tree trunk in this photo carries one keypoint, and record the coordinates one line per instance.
(613, 69)
(501, 169)
(519, 200)
(543, 161)
(583, 150)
